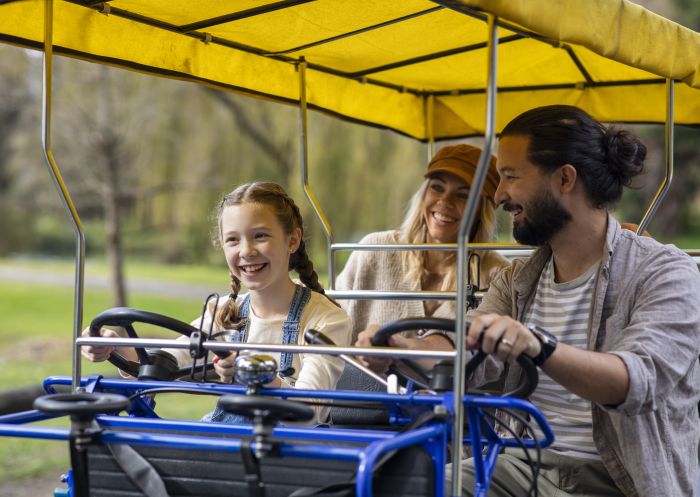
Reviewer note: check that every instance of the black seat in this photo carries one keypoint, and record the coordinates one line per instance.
(354, 379)
(220, 474)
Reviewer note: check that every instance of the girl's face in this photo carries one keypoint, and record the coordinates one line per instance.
(443, 205)
(256, 247)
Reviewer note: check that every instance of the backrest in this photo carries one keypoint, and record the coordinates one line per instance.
(354, 379)
(187, 472)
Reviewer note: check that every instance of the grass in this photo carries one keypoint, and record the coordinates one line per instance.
(36, 341)
(37, 327)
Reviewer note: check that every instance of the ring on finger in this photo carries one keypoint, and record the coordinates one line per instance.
(506, 342)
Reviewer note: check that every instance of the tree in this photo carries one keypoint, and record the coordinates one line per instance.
(14, 100)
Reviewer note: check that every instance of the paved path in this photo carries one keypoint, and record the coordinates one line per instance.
(134, 285)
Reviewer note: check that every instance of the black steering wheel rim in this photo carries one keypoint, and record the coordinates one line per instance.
(381, 338)
(268, 410)
(81, 403)
(125, 317)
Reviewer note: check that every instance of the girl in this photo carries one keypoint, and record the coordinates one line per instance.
(261, 232)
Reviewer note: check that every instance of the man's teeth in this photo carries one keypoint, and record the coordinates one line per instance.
(442, 218)
(252, 268)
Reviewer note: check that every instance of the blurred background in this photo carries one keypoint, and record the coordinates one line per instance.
(147, 159)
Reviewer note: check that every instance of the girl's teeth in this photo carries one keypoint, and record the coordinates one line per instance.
(252, 269)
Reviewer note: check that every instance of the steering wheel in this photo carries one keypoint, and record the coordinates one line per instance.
(81, 404)
(266, 410)
(421, 377)
(410, 369)
(155, 364)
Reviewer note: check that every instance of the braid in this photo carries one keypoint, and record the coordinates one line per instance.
(300, 262)
(228, 317)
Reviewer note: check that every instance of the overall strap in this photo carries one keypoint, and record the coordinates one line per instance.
(290, 328)
(241, 334)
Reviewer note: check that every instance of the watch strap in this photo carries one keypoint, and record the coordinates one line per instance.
(548, 343)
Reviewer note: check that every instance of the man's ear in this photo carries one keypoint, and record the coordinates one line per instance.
(295, 240)
(567, 178)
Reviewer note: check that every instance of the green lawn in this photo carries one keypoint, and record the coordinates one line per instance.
(37, 327)
(36, 341)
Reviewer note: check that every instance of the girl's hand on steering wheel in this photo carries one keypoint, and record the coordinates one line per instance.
(96, 353)
(224, 367)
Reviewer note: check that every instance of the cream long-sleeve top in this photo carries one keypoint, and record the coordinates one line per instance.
(384, 271)
(311, 371)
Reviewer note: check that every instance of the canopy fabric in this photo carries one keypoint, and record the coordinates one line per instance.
(389, 64)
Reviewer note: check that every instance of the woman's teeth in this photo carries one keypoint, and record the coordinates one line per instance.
(442, 218)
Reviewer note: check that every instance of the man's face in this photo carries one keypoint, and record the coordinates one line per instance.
(526, 193)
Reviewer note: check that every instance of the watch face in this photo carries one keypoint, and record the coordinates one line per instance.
(542, 335)
(547, 341)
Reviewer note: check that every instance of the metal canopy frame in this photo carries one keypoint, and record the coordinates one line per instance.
(462, 245)
(192, 29)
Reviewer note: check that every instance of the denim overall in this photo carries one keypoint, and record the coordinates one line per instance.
(290, 332)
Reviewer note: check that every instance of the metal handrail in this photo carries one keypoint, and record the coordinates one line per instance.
(668, 156)
(462, 240)
(216, 346)
(304, 162)
(429, 103)
(61, 186)
(391, 295)
(426, 246)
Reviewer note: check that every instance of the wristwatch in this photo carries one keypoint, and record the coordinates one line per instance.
(548, 343)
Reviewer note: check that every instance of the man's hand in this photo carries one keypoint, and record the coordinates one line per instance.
(503, 337)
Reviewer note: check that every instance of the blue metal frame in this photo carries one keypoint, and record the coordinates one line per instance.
(433, 437)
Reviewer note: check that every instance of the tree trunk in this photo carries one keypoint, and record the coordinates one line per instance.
(113, 245)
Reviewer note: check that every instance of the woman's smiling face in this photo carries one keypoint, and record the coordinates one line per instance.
(256, 248)
(443, 206)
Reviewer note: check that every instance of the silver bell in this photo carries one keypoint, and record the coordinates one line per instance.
(255, 370)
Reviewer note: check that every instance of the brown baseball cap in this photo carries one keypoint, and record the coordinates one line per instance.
(461, 160)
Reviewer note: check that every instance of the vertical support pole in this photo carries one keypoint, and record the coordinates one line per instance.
(304, 159)
(462, 241)
(63, 191)
(668, 159)
(430, 124)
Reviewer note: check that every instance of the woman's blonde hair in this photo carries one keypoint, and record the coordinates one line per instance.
(289, 217)
(415, 230)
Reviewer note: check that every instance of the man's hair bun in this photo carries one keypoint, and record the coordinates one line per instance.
(624, 153)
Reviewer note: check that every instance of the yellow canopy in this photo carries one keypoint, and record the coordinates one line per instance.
(377, 62)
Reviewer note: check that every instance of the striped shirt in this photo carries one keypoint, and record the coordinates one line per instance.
(564, 310)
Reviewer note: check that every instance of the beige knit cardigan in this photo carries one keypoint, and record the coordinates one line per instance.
(383, 270)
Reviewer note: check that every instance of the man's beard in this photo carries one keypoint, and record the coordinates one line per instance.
(542, 218)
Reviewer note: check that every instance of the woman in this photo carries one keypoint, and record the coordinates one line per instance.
(434, 215)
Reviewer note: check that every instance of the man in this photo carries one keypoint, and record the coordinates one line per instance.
(620, 381)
